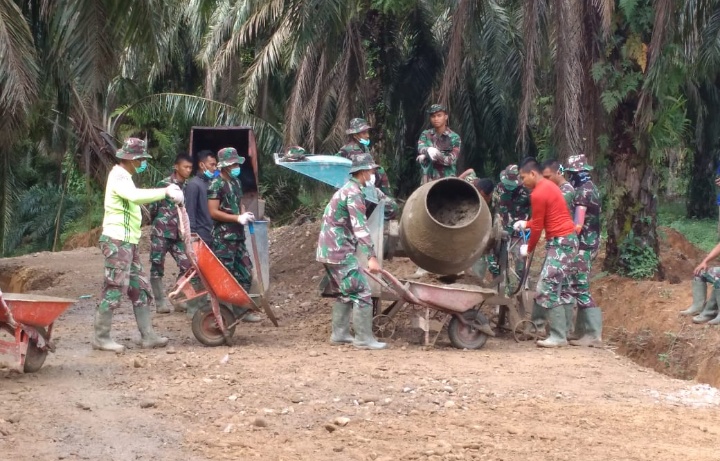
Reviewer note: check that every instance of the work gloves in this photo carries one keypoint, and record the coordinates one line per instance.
(523, 250)
(246, 218)
(420, 158)
(519, 225)
(175, 194)
(434, 153)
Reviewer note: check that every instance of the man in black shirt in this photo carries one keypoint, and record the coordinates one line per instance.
(196, 202)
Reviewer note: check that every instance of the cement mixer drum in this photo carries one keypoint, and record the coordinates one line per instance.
(445, 226)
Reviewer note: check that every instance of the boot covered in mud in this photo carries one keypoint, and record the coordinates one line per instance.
(699, 294)
(590, 320)
(715, 294)
(558, 328)
(102, 340)
(195, 305)
(362, 323)
(148, 338)
(246, 315)
(161, 306)
(341, 323)
(709, 312)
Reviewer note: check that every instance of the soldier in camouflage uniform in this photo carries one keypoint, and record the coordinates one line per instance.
(119, 245)
(164, 236)
(358, 143)
(588, 324)
(550, 214)
(707, 312)
(230, 217)
(438, 147)
(485, 187)
(553, 170)
(343, 232)
(511, 203)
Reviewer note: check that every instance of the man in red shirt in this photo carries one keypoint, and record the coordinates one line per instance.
(550, 213)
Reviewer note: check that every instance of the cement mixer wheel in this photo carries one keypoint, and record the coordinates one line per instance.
(383, 326)
(467, 336)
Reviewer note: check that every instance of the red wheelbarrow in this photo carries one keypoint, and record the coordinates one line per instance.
(29, 319)
(468, 327)
(212, 325)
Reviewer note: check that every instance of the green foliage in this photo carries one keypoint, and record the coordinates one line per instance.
(637, 259)
(700, 232)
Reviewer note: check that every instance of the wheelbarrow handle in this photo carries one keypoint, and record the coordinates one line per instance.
(8, 313)
(394, 285)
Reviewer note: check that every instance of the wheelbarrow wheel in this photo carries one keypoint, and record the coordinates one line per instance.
(206, 329)
(468, 336)
(35, 357)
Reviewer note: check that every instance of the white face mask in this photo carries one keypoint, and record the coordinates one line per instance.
(371, 181)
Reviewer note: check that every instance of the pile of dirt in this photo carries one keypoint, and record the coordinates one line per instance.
(641, 317)
(83, 240)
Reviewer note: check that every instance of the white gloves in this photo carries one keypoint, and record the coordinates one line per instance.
(174, 193)
(519, 225)
(433, 152)
(420, 158)
(246, 218)
(523, 250)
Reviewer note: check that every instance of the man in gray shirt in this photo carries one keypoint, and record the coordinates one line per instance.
(196, 202)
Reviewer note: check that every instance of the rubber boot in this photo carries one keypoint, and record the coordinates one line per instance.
(102, 340)
(591, 321)
(715, 294)
(570, 328)
(341, 323)
(709, 312)
(419, 273)
(195, 305)
(537, 316)
(246, 315)
(161, 306)
(699, 294)
(148, 337)
(362, 322)
(558, 328)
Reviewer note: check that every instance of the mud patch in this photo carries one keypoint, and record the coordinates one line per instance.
(453, 203)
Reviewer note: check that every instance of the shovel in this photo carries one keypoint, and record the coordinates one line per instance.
(261, 283)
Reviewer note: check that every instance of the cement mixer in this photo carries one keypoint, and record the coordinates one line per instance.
(445, 226)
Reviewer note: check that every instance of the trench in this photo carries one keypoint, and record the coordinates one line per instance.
(21, 279)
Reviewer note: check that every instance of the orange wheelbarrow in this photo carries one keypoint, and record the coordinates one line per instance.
(212, 325)
(29, 319)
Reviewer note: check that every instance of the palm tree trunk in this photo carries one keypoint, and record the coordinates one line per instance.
(633, 185)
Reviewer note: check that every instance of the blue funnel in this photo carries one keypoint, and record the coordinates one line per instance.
(332, 170)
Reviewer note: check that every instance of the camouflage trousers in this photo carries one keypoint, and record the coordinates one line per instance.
(711, 275)
(487, 262)
(553, 288)
(580, 284)
(236, 259)
(159, 247)
(123, 273)
(350, 281)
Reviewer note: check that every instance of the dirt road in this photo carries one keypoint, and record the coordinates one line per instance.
(282, 394)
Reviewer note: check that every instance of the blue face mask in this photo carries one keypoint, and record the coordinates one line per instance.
(212, 175)
(142, 167)
(235, 172)
(364, 142)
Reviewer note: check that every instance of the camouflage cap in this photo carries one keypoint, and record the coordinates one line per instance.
(294, 153)
(510, 177)
(228, 156)
(362, 162)
(133, 149)
(436, 108)
(577, 163)
(358, 125)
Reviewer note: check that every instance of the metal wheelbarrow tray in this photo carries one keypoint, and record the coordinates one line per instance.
(29, 319)
(212, 326)
(468, 327)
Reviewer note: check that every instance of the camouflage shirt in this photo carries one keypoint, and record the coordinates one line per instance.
(568, 192)
(511, 205)
(353, 149)
(344, 226)
(163, 214)
(587, 195)
(228, 192)
(448, 144)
